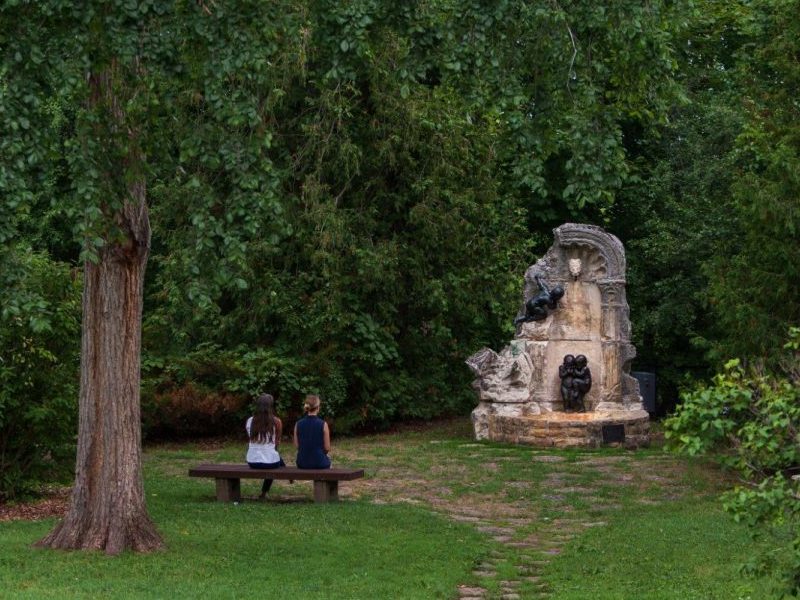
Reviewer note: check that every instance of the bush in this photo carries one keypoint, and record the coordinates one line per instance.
(39, 366)
(208, 391)
(190, 410)
(186, 397)
(751, 419)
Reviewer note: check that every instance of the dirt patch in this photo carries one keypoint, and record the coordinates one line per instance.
(520, 485)
(54, 504)
(575, 489)
(547, 458)
(602, 460)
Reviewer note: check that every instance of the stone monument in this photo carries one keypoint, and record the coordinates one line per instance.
(564, 380)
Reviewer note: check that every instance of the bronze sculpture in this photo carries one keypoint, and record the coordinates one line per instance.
(576, 381)
(536, 308)
(566, 371)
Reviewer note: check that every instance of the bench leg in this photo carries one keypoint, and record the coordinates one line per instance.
(326, 491)
(229, 490)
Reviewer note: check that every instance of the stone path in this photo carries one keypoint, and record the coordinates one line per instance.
(531, 519)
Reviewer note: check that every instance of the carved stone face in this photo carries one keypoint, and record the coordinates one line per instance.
(575, 267)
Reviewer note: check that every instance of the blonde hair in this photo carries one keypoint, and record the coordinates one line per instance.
(311, 403)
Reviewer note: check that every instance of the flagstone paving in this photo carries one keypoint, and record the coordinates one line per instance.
(547, 501)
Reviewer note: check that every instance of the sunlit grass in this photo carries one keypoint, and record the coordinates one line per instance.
(292, 549)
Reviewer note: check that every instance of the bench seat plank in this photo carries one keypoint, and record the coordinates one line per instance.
(244, 472)
(228, 476)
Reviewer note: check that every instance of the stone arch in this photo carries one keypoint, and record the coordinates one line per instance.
(594, 237)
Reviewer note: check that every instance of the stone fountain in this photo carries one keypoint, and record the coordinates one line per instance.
(520, 389)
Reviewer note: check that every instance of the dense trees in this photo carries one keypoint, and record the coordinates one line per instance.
(421, 153)
(323, 179)
(39, 341)
(343, 197)
(675, 215)
(712, 265)
(747, 67)
(765, 250)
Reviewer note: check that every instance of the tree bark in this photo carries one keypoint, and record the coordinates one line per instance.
(107, 509)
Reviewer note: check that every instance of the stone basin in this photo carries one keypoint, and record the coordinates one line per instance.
(628, 428)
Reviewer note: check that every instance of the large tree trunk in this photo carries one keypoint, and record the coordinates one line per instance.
(107, 510)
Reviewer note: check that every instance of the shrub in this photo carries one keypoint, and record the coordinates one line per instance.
(751, 419)
(208, 391)
(39, 346)
(190, 410)
(185, 396)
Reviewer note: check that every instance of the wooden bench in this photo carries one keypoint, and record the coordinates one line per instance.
(228, 476)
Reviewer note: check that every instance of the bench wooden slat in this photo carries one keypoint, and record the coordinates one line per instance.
(227, 471)
(228, 476)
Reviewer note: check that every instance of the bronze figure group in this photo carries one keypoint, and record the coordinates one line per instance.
(576, 381)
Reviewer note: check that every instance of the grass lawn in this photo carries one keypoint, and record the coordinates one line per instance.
(282, 550)
(438, 516)
(681, 551)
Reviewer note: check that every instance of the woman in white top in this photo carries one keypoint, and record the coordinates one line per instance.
(264, 432)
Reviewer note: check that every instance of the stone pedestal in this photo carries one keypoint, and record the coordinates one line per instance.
(519, 387)
(630, 429)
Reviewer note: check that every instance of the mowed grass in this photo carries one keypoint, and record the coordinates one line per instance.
(436, 511)
(294, 549)
(362, 551)
(687, 550)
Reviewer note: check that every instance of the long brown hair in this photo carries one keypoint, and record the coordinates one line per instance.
(262, 428)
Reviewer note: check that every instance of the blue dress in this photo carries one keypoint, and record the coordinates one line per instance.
(311, 448)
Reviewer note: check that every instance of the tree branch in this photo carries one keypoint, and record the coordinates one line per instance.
(572, 41)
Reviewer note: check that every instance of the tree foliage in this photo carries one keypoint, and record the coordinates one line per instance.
(764, 252)
(343, 196)
(675, 215)
(420, 148)
(712, 265)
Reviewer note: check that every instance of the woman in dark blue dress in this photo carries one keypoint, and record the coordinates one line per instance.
(312, 437)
